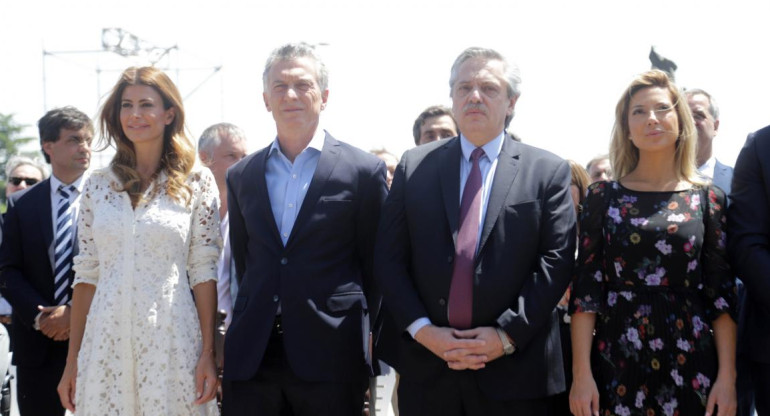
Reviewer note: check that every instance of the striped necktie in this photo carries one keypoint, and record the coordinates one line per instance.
(64, 244)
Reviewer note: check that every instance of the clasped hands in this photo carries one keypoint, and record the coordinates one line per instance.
(55, 322)
(467, 349)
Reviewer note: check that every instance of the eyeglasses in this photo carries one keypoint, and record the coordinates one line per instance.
(16, 181)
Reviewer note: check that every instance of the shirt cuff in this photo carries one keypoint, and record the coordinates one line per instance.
(37, 321)
(417, 325)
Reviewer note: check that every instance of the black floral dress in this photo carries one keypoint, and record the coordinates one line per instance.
(653, 266)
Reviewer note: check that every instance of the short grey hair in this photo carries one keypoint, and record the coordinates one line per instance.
(18, 160)
(213, 135)
(294, 51)
(713, 107)
(511, 71)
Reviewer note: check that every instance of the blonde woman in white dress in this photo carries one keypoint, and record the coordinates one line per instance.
(140, 342)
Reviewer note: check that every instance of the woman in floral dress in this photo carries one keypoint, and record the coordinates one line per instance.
(652, 277)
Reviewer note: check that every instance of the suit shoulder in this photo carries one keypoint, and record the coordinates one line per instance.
(357, 155)
(242, 164)
(32, 194)
(762, 134)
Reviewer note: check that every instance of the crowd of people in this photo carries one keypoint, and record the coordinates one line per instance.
(475, 275)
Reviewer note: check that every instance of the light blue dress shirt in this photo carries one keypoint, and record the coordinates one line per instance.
(487, 165)
(287, 182)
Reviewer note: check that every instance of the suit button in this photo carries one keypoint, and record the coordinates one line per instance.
(450, 259)
(442, 302)
(284, 261)
(275, 298)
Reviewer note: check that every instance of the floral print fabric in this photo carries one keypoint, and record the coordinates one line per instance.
(653, 266)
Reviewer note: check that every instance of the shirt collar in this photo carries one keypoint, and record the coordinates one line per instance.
(316, 143)
(709, 165)
(79, 183)
(491, 148)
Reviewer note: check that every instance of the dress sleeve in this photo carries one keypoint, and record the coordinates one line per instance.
(588, 284)
(205, 239)
(86, 262)
(718, 288)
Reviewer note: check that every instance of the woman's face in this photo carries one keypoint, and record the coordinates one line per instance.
(142, 115)
(25, 176)
(652, 120)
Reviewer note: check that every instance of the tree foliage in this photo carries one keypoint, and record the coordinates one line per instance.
(11, 142)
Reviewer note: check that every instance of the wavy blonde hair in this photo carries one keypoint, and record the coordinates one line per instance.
(178, 156)
(624, 155)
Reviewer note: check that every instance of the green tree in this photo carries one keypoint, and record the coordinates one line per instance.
(11, 142)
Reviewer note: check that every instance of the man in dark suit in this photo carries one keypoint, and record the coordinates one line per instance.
(475, 248)
(749, 248)
(36, 258)
(303, 218)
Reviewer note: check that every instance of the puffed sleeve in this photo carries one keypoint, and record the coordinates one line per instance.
(205, 238)
(588, 284)
(718, 289)
(86, 262)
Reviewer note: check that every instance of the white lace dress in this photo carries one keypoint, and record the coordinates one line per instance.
(142, 338)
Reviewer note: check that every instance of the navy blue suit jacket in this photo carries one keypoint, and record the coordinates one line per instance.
(322, 277)
(524, 262)
(748, 239)
(26, 275)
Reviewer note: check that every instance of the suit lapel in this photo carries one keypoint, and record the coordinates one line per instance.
(505, 174)
(46, 219)
(326, 162)
(450, 183)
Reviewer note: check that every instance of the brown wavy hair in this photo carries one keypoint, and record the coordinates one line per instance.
(178, 156)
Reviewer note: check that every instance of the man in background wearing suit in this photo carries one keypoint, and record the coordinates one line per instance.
(705, 113)
(475, 248)
(303, 218)
(748, 218)
(39, 238)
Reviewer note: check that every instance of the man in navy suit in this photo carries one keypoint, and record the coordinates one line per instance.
(749, 248)
(303, 218)
(473, 290)
(29, 259)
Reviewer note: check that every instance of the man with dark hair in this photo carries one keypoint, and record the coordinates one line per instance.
(39, 242)
(435, 123)
(303, 218)
(474, 250)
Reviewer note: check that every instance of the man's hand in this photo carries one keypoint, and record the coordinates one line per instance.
(491, 349)
(55, 322)
(457, 351)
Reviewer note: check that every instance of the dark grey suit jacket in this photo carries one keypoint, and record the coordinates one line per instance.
(524, 263)
(748, 239)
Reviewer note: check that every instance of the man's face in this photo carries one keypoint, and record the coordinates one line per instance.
(294, 96)
(71, 154)
(22, 178)
(229, 151)
(600, 171)
(437, 128)
(480, 101)
(704, 122)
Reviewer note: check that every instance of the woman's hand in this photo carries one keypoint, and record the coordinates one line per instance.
(723, 395)
(66, 387)
(584, 396)
(206, 378)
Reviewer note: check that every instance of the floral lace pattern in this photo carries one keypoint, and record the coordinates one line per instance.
(653, 265)
(142, 338)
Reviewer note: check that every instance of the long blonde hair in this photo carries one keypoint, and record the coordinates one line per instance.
(178, 156)
(624, 155)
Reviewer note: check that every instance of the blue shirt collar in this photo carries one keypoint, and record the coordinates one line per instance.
(491, 149)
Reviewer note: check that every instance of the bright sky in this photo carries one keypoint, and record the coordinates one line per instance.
(389, 60)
